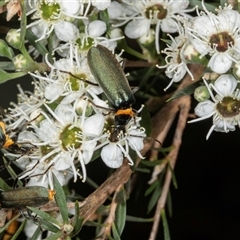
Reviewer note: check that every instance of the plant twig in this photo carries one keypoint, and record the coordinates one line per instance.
(184, 104)
(107, 226)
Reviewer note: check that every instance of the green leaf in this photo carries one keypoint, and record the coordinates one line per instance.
(38, 45)
(169, 203)
(116, 235)
(5, 50)
(46, 220)
(151, 188)
(23, 24)
(211, 7)
(120, 217)
(155, 196)
(55, 236)
(165, 225)
(143, 170)
(2, 3)
(92, 183)
(103, 15)
(7, 66)
(5, 76)
(137, 219)
(152, 163)
(77, 221)
(12, 173)
(60, 199)
(173, 176)
(185, 91)
(4, 185)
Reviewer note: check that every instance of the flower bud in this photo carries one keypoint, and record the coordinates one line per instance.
(13, 38)
(201, 93)
(20, 62)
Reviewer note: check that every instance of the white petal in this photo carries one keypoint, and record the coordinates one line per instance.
(53, 91)
(93, 125)
(66, 31)
(200, 47)
(115, 10)
(204, 108)
(168, 25)
(136, 143)
(137, 28)
(229, 20)
(62, 161)
(177, 6)
(220, 63)
(112, 155)
(27, 136)
(205, 21)
(226, 84)
(221, 128)
(63, 64)
(65, 113)
(72, 7)
(47, 131)
(101, 4)
(87, 150)
(96, 28)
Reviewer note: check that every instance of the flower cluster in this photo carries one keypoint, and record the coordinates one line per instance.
(216, 45)
(224, 106)
(64, 121)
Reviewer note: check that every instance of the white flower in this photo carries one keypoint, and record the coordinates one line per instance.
(224, 107)
(144, 14)
(54, 15)
(61, 124)
(219, 38)
(176, 63)
(61, 141)
(119, 139)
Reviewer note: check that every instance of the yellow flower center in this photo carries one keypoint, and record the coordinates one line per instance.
(70, 137)
(228, 107)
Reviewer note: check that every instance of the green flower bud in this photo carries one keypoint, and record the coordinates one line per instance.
(201, 93)
(67, 228)
(13, 38)
(83, 105)
(20, 62)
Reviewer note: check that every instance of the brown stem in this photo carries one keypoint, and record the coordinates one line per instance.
(184, 104)
(107, 226)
